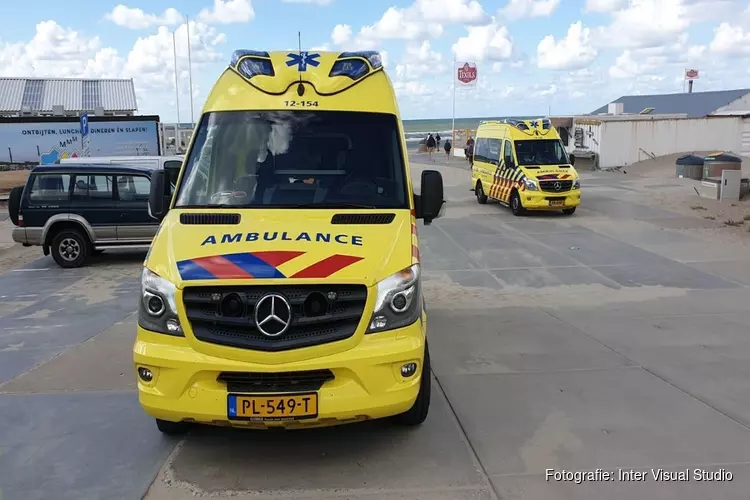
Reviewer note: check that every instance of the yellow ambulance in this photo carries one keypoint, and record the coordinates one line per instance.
(283, 288)
(523, 164)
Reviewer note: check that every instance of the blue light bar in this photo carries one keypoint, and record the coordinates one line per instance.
(353, 68)
(239, 54)
(373, 57)
(251, 66)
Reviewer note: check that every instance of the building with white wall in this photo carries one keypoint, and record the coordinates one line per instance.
(634, 128)
(67, 97)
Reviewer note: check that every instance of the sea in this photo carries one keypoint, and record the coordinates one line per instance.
(417, 130)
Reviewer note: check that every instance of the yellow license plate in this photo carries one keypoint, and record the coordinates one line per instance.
(556, 203)
(272, 406)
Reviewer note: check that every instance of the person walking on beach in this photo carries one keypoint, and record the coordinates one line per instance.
(430, 145)
(437, 140)
(469, 150)
(447, 148)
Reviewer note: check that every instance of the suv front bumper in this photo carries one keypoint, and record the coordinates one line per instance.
(367, 384)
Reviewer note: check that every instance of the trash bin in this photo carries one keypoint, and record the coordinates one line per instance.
(689, 166)
(715, 163)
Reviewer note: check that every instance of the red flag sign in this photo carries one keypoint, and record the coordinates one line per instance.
(467, 73)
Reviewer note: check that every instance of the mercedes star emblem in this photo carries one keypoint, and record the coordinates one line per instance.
(557, 186)
(273, 315)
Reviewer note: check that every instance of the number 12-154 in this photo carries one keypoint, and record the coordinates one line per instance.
(301, 104)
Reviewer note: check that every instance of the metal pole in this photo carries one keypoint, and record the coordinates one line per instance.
(176, 88)
(190, 70)
(453, 121)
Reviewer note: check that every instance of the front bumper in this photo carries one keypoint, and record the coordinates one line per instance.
(367, 384)
(541, 200)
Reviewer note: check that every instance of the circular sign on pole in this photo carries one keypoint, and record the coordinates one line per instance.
(467, 73)
(691, 74)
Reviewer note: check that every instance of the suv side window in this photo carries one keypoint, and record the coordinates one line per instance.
(92, 188)
(133, 188)
(508, 153)
(47, 188)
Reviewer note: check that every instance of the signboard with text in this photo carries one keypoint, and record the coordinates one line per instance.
(48, 141)
(466, 75)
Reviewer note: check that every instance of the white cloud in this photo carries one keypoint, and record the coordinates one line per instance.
(419, 61)
(573, 51)
(731, 40)
(341, 34)
(491, 42)
(422, 20)
(137, 19)
(518, 9)
(604, 6)
(468, 12)
(227, 12)
(627, 65)
(645, 23)
(396, 24)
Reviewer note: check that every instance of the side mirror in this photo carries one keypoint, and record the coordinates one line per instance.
(572, 158)
(510, 163)
(429, 203)
(157, 204)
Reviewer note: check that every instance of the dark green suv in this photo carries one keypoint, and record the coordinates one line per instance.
(74, 211)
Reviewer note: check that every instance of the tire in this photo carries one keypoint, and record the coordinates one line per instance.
(172, 428)
(481, 197)
(418, 412)
(569, 211)
(14, 204)
(515, 204)
(70, 248)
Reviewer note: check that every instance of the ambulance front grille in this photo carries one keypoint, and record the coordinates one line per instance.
(555, 186)
(225, 315)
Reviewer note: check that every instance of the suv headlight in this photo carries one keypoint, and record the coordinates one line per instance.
(577, 184)
(399, 301)
(157, 307)
(531, 184)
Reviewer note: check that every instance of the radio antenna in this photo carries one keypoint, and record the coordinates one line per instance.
(300, 86)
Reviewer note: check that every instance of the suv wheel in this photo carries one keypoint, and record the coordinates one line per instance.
(172, 428)
(418, 412)
(70, 248)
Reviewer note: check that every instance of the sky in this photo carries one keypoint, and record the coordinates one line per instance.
(533, 57)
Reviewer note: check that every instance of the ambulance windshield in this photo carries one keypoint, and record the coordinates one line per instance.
(541, 152)
(290, 159)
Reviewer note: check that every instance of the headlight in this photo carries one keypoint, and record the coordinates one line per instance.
(577, 184)
(399, 301)
(157, 307)
(531, 184)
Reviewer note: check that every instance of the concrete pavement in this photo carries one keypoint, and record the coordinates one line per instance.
(608, 340)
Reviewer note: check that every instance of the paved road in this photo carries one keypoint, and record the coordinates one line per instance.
(603, 340)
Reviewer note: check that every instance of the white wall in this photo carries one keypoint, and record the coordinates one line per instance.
(591, 128)
(621, 141)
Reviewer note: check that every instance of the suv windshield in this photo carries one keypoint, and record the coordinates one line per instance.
(541, 152)
(279, 159)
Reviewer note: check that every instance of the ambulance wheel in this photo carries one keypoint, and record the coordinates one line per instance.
(481, 197)
(172, 428)
(515, 204)
(418, 412)
(569, 211)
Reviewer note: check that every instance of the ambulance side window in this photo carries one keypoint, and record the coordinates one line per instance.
(493, 151)
(480, 150)
(508, 155)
